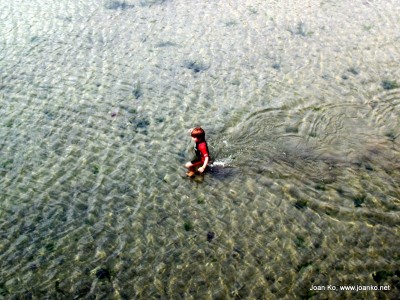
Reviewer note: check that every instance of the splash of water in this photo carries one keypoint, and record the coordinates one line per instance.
(223, 162)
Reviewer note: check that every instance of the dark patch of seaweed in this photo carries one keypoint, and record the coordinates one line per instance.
(195, 66)
(165, 44)
(115, 5)
(389, 84)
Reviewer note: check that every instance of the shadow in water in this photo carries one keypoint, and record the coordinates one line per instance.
(339, 159)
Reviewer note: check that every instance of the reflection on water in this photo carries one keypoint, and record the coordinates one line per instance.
(300, 102)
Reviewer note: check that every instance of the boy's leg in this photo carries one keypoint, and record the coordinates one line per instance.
(191, 172)
(192, 166)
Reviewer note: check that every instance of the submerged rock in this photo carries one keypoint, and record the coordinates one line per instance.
(195, 66)
(359, 200)
(389, 84)
(300, 204)
(103, 274)
(137, 91)
(188, 226)
(210, 236)
(381, 275)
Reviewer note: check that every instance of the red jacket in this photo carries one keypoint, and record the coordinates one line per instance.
(201, 150)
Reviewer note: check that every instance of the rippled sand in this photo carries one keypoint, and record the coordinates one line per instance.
(301, 104)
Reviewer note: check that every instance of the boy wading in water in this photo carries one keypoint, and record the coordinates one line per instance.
(201, 149)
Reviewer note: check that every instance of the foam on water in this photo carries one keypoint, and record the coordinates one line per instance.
(222, 162)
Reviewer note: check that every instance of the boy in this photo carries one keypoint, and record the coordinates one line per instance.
(201, 149)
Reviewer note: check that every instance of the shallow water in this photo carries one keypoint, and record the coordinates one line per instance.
(300, 101)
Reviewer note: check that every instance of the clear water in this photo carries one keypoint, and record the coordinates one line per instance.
(300, 101)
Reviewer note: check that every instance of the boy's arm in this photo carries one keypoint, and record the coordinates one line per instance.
(203, 150)
(201, 169)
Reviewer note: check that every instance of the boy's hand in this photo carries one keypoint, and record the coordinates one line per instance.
(201, 169)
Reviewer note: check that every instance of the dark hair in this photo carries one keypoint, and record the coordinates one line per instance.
(199, 133)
